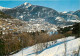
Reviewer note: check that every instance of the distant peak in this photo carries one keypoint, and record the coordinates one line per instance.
(25, 3)
(3, 8)
(64, 12)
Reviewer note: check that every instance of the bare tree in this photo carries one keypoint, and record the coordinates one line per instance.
(65, 44)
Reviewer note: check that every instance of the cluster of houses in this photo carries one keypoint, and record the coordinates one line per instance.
(18, 26)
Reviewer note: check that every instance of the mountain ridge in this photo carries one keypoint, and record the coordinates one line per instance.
(28, 11)
(34, 11)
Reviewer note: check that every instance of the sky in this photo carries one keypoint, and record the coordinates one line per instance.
(58, 5)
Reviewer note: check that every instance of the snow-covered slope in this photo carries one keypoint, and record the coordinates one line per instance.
(64, 12)
(59, 19)
(77, 13)
(2, 8)
(52, 48)
(73, 21)
(71, 47)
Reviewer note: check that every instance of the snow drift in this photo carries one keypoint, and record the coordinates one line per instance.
(68, 46)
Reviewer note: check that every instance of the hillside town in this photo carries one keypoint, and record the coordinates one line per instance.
(19, 26)
(39, 28)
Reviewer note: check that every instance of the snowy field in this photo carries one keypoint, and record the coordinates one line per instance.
(68, 46)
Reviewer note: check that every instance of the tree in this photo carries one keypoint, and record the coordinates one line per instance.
(2, 47)
(76, 29)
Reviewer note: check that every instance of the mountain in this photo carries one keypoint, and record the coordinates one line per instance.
(77, 13)
(3, 8)
(68, 16)
(64, 12)
(5, 16)
(27, 11)
(70, 12)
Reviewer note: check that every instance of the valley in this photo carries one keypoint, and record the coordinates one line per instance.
(33, 30)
